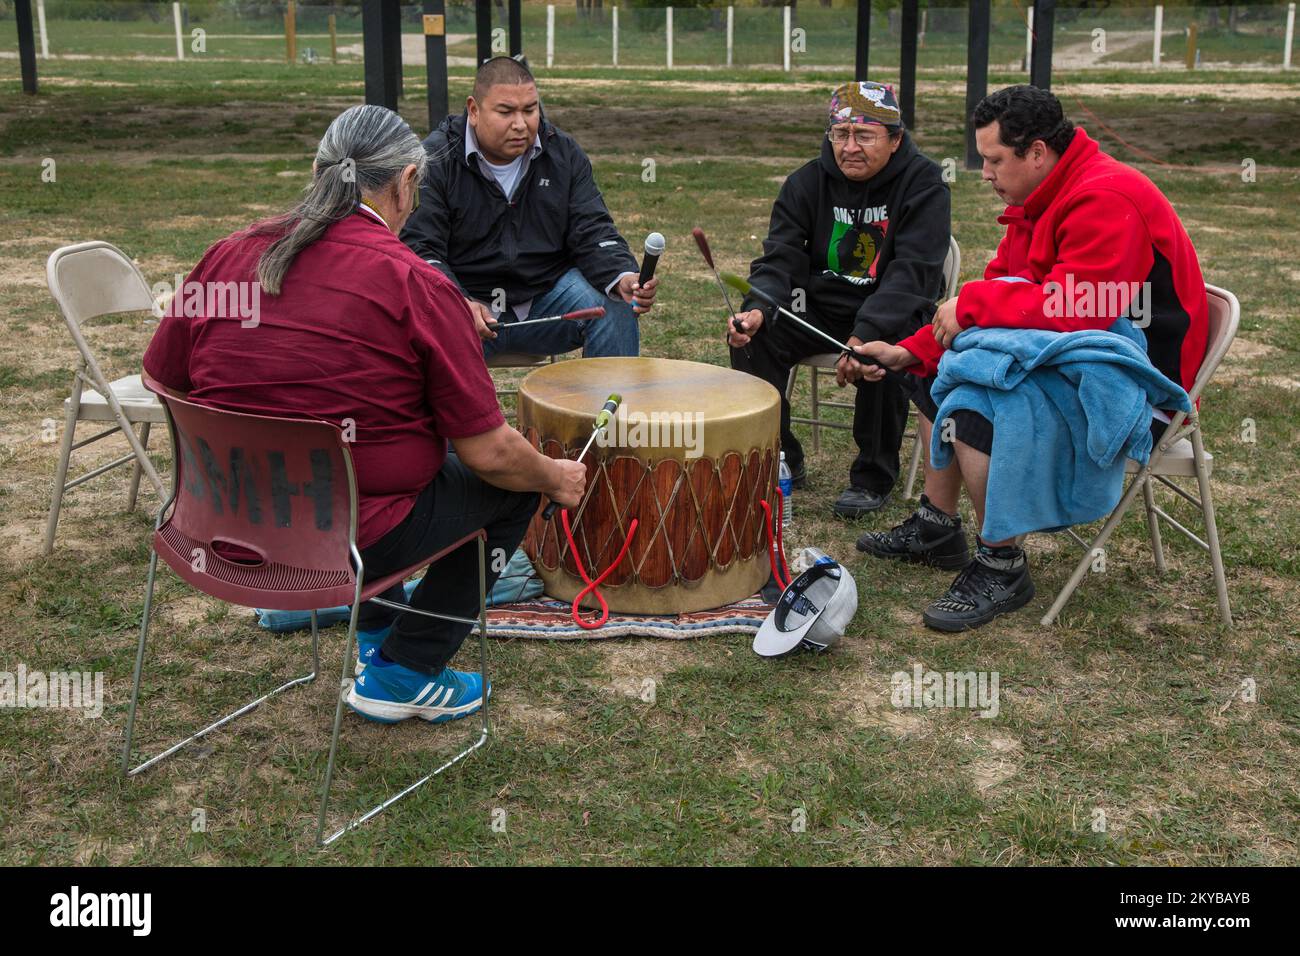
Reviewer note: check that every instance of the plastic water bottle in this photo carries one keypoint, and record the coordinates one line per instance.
(785, 480)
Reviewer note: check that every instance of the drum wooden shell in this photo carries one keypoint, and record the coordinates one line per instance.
(701, 540)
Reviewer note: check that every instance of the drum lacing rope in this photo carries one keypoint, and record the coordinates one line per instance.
(776, 546)
(593, 587)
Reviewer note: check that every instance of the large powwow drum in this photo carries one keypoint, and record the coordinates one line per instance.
(690, 454)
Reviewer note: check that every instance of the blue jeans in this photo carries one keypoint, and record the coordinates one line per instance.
(617, 332)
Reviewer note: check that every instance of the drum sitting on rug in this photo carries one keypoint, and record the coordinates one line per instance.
(691, 452)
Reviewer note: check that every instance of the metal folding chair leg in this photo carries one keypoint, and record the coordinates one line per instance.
(139, 669)
(61, 471)
(348, 658)
(1211, 529)
(816, 410)
(1085, 562)
(1153, 526)
(136, 470)
(915, 465)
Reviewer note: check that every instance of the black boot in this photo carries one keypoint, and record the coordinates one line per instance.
(996, 581)
(929, 536)
(856, 502)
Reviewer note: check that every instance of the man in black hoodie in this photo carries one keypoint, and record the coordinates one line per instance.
(856, 248)
(510, 212)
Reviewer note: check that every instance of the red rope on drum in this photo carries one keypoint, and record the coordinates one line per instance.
(593, 587)
(776, 547)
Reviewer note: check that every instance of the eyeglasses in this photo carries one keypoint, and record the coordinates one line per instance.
(863, 138)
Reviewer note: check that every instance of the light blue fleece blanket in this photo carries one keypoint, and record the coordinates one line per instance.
(1067, 409)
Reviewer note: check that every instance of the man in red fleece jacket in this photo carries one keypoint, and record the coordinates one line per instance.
(1088, 240)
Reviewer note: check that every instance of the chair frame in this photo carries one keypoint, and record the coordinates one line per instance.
(819, 364)
(1183, 425)
(361, 590)
(516, 360)
(88, 373)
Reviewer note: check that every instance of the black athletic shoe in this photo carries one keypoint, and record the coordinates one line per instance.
(856, 502)
(799, 476)
(978, 595)
(919, 541)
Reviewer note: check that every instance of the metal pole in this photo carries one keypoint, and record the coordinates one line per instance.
(550, 34)
(977, 71)
(863, 52)
(379, 89)
(615, 36)
(1029, 38)
(483, 29)
(1040, 67)
(1159, 31)
(907, 64)
(180, 37)
(515, 17)
(668, 21)
(392, 48)
(1290, 35)
(785, 38)
(26, 44)
(45, 38)
(731, 32)
(435, 59)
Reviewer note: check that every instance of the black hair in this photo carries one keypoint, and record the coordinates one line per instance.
(1024, 114)
(501, 70)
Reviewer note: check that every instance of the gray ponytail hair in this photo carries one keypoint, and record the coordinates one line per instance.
(363, 152)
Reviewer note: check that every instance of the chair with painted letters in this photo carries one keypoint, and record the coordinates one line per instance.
(263, 513)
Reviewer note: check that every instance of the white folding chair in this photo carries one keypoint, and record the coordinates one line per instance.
(828, 361)
(1180, 453)
(88, 280)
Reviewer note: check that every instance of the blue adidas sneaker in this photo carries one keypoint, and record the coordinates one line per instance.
(387, 692)
(368, 644)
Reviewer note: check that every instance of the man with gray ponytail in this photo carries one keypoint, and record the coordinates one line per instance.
(355, 329)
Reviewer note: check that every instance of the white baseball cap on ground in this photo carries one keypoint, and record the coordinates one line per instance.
(812, 612)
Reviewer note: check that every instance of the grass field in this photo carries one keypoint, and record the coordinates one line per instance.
(1130, 706)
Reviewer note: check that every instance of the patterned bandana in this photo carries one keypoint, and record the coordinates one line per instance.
(865, 102)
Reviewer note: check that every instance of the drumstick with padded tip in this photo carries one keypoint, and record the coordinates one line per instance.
(602, 419)
(740, 285)
(578, 316)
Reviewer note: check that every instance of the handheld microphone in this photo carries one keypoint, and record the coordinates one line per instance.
(654, 248)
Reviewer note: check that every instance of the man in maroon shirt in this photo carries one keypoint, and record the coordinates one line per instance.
(353, 328)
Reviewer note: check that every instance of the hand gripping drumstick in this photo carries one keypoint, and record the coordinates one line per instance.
(602, 419)
(703, 243)
(577, 316)
(739, 284)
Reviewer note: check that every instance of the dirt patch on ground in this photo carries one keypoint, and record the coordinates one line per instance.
(999, 765)
(1242, 358)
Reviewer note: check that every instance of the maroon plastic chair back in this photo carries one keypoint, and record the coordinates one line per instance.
(264, 508)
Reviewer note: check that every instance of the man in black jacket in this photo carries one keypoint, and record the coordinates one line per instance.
(509, 211)
(856, 247)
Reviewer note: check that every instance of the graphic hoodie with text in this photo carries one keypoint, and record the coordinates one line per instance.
(868, 255)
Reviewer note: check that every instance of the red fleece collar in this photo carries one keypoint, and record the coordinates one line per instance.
(1082, 148)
